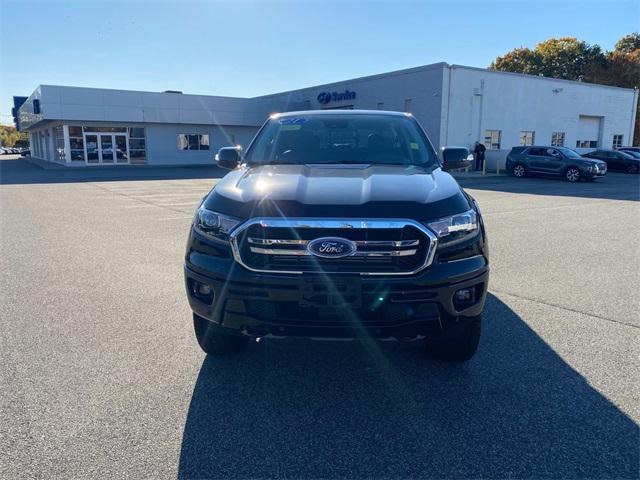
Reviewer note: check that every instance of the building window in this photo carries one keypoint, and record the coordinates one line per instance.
(586, 144)
(380, 106)
(492, 139)
(407, 105)
(59, 139)
(193, 142)
(76, 144)
(105, 129)
(617, 141)
(527, 137)
(137, 145)
(557, 139)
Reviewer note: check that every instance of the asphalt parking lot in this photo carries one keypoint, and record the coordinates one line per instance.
(101, 375)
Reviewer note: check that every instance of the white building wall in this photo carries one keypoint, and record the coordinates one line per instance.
(73, 104)
(162, 145)
(422, 86)
(482, 99)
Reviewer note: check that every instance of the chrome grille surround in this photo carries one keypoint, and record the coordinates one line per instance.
(262, 246)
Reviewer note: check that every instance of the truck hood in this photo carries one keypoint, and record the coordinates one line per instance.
(337, 191)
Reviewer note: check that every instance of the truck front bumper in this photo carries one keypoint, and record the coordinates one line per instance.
(339, 306)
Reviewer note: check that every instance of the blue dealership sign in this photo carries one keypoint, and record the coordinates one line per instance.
(327, 97)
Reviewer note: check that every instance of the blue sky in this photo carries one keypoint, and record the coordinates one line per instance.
(243, 48)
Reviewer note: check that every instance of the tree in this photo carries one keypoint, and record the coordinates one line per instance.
(623, 69)
(628, 43)
(573, 59)
(521, 60)
(9, 136)
(566, 57)
(570, 58)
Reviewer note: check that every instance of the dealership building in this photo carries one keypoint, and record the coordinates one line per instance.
(456, 105)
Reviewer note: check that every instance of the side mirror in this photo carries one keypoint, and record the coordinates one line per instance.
(455, 157)
(228, 157)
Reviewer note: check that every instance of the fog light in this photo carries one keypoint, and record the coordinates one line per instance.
(464, 295)
(201, 291)
(464, 298)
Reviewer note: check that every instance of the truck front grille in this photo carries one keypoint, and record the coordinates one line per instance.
(383, 247)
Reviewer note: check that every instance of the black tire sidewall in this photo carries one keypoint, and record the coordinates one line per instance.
(458, 348)
(214, 340)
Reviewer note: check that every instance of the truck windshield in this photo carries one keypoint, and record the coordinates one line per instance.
(348, 139)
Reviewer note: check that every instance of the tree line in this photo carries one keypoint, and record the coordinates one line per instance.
(573, 59)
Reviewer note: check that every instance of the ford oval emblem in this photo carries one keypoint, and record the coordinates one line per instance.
(331, 247)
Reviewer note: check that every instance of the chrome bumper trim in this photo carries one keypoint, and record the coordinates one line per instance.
(305, 253)
(360, 243)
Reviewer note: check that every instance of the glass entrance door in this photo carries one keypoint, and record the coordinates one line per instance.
(92, 154)
(106, 148)
(121, 152)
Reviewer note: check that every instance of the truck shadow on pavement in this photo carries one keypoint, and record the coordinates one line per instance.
(305, 409)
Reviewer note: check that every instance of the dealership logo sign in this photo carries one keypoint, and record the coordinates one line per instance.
(327, 97)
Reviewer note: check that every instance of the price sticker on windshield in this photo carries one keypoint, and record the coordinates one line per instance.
(293, 121)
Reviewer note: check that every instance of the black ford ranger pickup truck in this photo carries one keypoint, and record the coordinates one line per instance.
(338, 224)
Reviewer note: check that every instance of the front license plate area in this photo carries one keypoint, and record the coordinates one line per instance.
(332, 295)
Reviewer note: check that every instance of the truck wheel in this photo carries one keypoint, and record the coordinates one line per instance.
(519, 171)
(214, 341)
(460, 348)
(572, 174)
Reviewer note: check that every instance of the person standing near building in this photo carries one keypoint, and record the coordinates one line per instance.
(479, 154)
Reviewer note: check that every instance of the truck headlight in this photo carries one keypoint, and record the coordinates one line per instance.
(455, 228)
(214, 225)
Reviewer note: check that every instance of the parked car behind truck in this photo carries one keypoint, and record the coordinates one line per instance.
(553, 161)
(338, 225)
(624, 161)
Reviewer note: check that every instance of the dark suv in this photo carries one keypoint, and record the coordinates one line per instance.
(556, 161)
(618, 159)
(338, 225)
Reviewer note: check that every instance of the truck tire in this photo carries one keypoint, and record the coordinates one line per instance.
(214, 341)
(459, 348)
